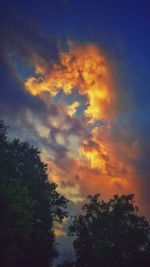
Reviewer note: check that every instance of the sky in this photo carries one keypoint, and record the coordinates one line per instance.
(74, 81)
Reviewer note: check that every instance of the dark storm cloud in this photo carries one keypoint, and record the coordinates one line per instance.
(20, 38)
(13, 96)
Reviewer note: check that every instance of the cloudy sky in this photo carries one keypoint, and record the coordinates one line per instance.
(74, 81)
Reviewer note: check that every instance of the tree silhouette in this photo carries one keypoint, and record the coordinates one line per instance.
(111, 234)
(29, 206)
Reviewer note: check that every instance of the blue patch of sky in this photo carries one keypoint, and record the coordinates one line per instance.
(23, 69)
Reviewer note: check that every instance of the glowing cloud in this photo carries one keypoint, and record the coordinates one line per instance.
(82, 67)
(73, 108)
(99, 156)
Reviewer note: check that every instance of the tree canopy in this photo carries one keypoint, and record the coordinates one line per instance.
(29, 206)
(107, 233)
(111, 233)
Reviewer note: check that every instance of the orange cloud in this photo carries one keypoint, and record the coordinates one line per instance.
(73, 108)
(83, 67)
(109, 163)
(59, 232)
(102, 161)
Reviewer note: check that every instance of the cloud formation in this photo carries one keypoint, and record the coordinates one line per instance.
(93, 146)
(20, 40)
(82, 67)
(72, 108)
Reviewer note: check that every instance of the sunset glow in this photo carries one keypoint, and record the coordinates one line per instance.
(86, 69)
(74, 94)
(82, 67)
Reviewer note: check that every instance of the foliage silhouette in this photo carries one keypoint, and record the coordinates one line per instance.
(111, 234)
(29, 206)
